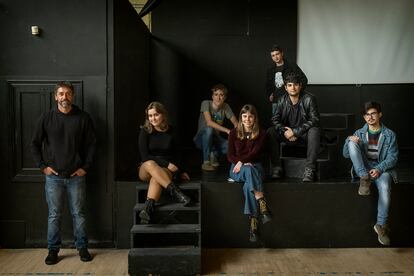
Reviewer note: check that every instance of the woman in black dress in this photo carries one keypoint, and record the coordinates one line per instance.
(159, 164)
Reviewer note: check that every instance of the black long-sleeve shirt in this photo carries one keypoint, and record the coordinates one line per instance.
(158, 146)
(271, 87)
(64, 142)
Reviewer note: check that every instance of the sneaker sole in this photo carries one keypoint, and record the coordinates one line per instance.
(51, 263)
(363, 194)
(266, 219)
(255, 239)
(187, 203)
(86, 260)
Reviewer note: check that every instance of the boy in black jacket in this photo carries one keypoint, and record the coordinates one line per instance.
(296, 120)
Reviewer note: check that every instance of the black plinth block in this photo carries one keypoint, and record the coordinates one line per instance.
(183, 261)
(305, 215)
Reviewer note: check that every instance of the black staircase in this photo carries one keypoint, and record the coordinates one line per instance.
(171, 244)
(336, 127)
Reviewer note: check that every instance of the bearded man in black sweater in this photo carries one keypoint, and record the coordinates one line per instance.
(63, 146)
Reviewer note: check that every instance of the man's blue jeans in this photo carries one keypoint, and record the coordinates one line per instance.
(362, 166)
(209, 140)
(55, 188)
(252, 176)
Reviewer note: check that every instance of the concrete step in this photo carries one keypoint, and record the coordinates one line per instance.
(165, 228)
(299, 151)
(336, 136)
(295, 167)
(192, 189)
(173, 213)
(192, 185)
(173, 261)
(337, 120)
(165, 235)
(169, 207)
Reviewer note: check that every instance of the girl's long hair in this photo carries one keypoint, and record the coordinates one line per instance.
(160, 108)
(255, 129)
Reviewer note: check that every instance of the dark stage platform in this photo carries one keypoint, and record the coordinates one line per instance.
(325, 214)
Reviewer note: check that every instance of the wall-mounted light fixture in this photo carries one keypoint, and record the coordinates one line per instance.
(35, 30)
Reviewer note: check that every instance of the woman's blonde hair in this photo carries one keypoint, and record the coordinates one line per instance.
(255, 129)
(160, 108)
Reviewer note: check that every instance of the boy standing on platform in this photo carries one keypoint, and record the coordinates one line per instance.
(210, 124)
(275, 84)
(373, 151)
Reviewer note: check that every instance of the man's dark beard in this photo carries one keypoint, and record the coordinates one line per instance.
(67, 103)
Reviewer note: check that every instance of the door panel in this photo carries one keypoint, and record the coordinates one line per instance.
(28, 101)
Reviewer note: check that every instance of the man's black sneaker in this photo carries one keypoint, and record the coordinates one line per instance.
(84, 255)
(308, 175)
(52, 257)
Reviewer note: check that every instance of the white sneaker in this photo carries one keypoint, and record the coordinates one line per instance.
(206, 166)
(230, 180)
(213, 160)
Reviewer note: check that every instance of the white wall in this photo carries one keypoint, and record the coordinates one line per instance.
(356, 41)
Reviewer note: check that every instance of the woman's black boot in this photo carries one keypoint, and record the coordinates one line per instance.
(178, 194)
(253, 229)
(145, 214)
(265, 213)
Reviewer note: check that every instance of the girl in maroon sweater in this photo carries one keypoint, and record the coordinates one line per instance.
(246, 143)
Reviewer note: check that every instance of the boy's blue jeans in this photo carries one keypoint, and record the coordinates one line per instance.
(209, 140)
(362, 166)
(55, 188)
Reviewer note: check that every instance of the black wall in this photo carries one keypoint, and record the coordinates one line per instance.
(131, 67)
(103, 48)
(131, 85)
(200, 43)
(396, 101)
(72, 46)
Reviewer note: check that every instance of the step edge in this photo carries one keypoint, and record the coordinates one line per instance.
(170, 207)
(141, 229)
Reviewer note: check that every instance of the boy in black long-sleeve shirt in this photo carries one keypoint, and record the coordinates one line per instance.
(63, 146)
